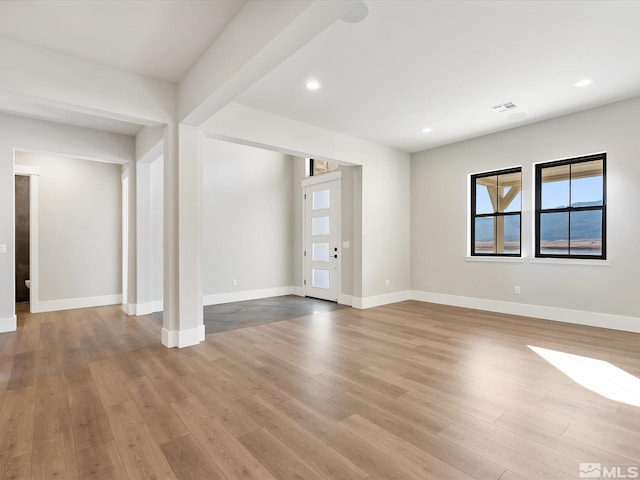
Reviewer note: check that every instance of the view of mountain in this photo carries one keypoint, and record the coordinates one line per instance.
(585, 225)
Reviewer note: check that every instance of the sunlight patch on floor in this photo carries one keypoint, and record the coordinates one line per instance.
(596, 375)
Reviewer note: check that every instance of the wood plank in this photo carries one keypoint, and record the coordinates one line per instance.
(273, 454)
(304, 444)
(101, 462)
(233, 459)
(158, 415)
(408, 456)
(51, 393)
(54, 454)
(189, 460)
(140, 454)
(17, 422)
(23, 373)
(110, 388)
(88, 417)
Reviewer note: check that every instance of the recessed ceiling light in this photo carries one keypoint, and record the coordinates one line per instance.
(356, 14)
(313, 85)
(583, 83)
(427, 130)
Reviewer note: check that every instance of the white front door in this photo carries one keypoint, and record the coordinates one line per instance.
(322, 239)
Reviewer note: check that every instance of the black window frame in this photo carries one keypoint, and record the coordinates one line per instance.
(539, 210)
(474, 215)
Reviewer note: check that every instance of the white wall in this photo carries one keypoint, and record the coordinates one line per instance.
(157, 222)
(385, 221)
(79, 229)
(439, 204)
(249, 222)
(27, 134)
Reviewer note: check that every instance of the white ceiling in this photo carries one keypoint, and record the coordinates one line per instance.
(408, 65)
(160, 39)
(443, 64)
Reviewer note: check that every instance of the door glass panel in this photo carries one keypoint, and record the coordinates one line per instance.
(320, 200)
(320, 252)
(320, 226)
(320, 278)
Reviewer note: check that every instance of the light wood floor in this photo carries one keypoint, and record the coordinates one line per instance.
(408, 391)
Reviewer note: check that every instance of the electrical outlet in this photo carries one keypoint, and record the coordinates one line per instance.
(516, 289)
(234, 282)
(3, 249)
(387, 283)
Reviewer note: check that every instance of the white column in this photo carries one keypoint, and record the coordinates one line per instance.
(183, 315)
(143, 239)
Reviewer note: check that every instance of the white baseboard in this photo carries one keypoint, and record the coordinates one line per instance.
(8, 324)
(143, 308)
(73, 303)
(241, 296)
(345, 300)
(378, 300)
(299, 291)
(580, 317)
(182, 338)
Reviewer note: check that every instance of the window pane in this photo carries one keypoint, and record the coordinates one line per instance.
(485, 189)
(554, 233)
(320, 252)
(320, 278)
(484, 235)
(586, 184)
(321, 166)
(511, 234)
(555, 187)
(509, 186)
(320, 200)
(586, 232)
(320, 226)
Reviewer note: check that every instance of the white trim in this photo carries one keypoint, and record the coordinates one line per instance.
(184, 338)
(8, 324)
(495, 259)
(345, 300)
(72, 303)
(26, 170)
(325, 177)
(580, 317)
(571, 261)
(378, 300)
(299, 291)
(219, 298)
(33, 173)
(157, 306)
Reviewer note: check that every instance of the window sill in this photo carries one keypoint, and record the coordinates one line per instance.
(571, 261)
(474, 258)
(557, 261)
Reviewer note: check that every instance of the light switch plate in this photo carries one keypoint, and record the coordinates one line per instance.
(3, 249)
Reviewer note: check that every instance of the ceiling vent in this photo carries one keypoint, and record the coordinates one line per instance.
(504, 107)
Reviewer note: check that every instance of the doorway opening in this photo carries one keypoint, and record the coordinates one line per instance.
(22, 238)
(322, 236)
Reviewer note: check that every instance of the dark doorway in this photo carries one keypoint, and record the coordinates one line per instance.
(22, 184)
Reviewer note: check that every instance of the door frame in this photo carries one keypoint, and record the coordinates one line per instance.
(33, 173)
(335, 175)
